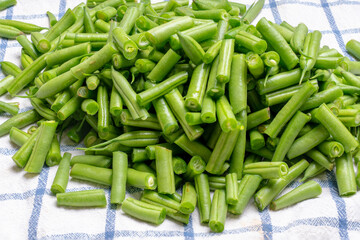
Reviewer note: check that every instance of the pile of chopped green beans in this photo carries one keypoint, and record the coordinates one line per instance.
(177, 94)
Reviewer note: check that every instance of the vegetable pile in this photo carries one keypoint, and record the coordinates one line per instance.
(169, 95)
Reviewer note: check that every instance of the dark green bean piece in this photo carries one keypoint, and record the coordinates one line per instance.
(257, 140)
(283, 95)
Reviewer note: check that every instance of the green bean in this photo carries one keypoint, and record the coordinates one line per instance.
(336, 128)
(93, 160)
(255, 65)
(164, 66)
(54, 155)
(193, 118)
(22, 156)
(64, 23)
(253, 11)
(332, 149)
(177, 104)
(9, 108)
(212, 52)
(287, 138)
(215, 89)
(18, 137)
(197, 87)
(246, 189)
(195, 167)
(267, 170)
(199, 33)
(345, 175)
(151, 122)
(270, 34)
(267, 193)
(162, 88)
(27, 75)
(145, 23)
(298, 38)
(118, 186)
(63, 55)
(225, 115)
(289, 109)
(353, 46)
(128, 21)
(188, 200)
(41, 147)
(257, 140)
(162, 33)
(164, 170)
(20, 120)
(279, 81)
(129, 96)
(191, 48)
(86, 198)
(6, 4)
(312, 170)
(28, 46)
(319, 158)
(106, 13)
(62, 175)
(305, 191)
(283, 95)
(139, 155)
(9, 32)
(203, 194)
(256, 118)
(144, 211)
(225, 59)
(231, 188)
(193, 148)
(69, 108)
(308, 141)
(218, 211)
(42, 109)
(251, 42)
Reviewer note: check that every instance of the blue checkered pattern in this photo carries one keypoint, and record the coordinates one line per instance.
(28, 208)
